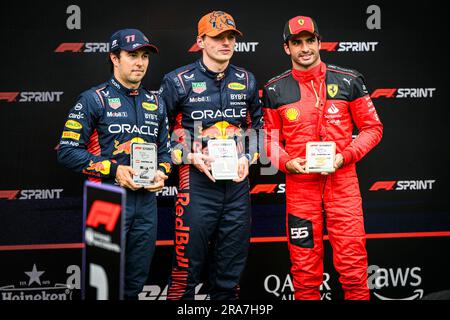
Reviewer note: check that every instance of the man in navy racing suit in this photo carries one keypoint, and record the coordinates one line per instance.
(211, 99)
(97, 138)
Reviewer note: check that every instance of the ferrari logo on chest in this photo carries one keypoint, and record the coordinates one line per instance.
(332, 90)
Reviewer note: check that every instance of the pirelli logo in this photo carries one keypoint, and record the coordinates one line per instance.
(70, 135)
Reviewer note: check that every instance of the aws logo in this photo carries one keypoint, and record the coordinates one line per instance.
(381, 278)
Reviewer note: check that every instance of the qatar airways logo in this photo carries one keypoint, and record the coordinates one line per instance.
(31, 96)
(282, 287)
(399, 93)
(85, 47)
(348, 46)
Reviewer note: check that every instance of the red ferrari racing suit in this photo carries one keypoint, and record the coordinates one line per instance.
(322, 104)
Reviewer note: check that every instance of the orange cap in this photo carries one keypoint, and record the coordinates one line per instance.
(216, 22)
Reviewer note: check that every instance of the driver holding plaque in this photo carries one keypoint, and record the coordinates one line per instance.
(310, 112)
(211, 105)
(117, 133)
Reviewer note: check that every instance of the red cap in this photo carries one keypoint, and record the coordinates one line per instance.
(298, 24)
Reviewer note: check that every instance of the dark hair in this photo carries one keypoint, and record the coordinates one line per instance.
(111, 65)
(318, 37)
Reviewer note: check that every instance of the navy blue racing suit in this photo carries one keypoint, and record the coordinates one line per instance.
(97, 139)
(203, 105)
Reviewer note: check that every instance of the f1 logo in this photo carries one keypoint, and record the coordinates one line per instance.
(130, 38)
(383, 185)
(105, 213)
(9, 96)
(388, 93)
(70, 46)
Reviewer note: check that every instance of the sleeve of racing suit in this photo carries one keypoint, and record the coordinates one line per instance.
(164, 149)
(367, 121)
(180, 140)
(273, 139)
(79, 148)
(255, 122)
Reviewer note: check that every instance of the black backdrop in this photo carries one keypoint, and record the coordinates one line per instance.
(403, 180)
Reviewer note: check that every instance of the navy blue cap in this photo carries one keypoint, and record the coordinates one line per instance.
(130, 40)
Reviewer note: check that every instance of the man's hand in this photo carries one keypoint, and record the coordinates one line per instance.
(124, 177)
(158, 182)
(242, 169)
(338, 163)
(297, 165)
(202, 162)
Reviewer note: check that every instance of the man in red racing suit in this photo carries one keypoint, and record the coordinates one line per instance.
(319, 102)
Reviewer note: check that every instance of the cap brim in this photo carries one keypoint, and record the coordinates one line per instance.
(215, 33)
(151, 48)
(303, 31)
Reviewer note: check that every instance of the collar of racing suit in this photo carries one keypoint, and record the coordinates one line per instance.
(315, 73)
(314, 78)
(211, 74)
(125, 91)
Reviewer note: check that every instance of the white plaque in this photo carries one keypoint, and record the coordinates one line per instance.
(320, 156)
(143, 160)
(224, 152)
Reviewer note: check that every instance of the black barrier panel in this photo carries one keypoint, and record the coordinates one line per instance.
(399, 269)
(406, 84)
(103, 257)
